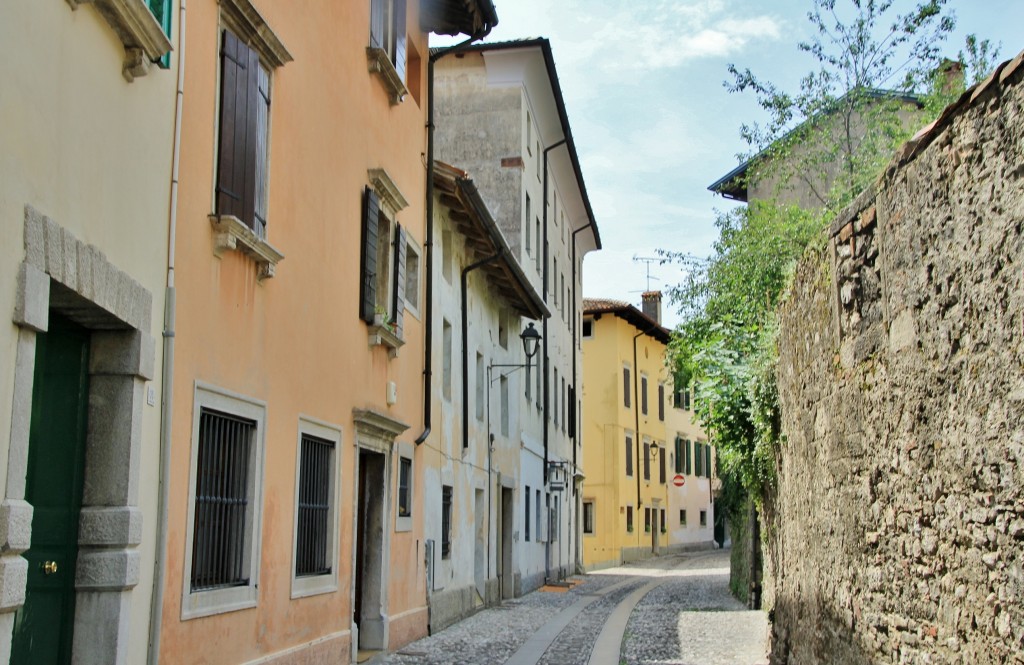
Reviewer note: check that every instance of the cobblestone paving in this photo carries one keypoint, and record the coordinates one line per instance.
(689, 619)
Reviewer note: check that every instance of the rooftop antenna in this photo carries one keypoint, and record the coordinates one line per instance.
(648, 260)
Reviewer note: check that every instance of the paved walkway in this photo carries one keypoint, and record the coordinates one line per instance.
(672, 610)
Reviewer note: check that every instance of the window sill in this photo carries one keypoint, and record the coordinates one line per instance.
(314, 585)
(143, 38)
(381, 65)
(382, 335)
(230, 233)
(218, 601)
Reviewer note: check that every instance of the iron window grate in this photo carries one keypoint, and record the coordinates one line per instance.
(221, 501)
(313, 529)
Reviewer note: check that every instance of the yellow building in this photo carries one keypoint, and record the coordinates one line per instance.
(644, 487)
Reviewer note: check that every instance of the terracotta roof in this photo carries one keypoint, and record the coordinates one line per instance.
(628, 313)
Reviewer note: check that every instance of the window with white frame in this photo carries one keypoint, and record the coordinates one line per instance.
(225, 505)
(316, 501)
(588, 518)
(388, 49)
(412, 277)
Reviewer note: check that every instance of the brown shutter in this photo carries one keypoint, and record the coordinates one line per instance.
(232, 126)
(661, 401)
(368, 265)
(377, 14)
(398, 301)
(399, 12)
(625, 386)
(661, 462)
(647, 461)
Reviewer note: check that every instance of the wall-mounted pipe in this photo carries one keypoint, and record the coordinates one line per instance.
(577, 348)
(167, 364)
(544, 336)
(428, 242)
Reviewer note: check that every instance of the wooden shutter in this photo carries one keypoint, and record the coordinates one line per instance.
(661, 467)
(625, 386)
(679, 455)
(629, 456)
(239, 130)
(686, 444)
(707, 461)
(398, 295)
(261, 138)
(398, 21)
(661, 401)
(643, 395)
(368, 265)
(572, 412)
(378, 11)
(647, 461)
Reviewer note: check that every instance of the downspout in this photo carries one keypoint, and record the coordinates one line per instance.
(167, 364)
(544, 335)
(465, 340)
(576, 391)
(428, 244)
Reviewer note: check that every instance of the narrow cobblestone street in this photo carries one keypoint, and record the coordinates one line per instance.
(672, 610)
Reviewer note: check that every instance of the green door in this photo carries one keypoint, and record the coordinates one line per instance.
(43, 626)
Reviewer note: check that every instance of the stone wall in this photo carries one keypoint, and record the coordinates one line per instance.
(897, 532)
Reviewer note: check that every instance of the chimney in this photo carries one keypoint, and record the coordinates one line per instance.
(652, 305)
(951, 77)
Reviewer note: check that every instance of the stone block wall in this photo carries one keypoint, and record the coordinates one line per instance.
(897, 531)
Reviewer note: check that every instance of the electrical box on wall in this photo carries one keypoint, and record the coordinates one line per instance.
(392, 393)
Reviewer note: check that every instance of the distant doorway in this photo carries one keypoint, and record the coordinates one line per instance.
(505, 544)
(369, 574)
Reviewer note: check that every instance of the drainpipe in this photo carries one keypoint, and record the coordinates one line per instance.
(428, 244)
(465, 340)
(167, 365)
(576, 390)
(547, 359)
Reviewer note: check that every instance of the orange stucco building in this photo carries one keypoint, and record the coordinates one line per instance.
(298, 327)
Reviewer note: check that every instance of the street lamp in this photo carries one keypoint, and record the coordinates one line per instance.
(531, 341)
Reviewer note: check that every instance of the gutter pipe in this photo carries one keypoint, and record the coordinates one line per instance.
(428, 244)
(576, 388)
(465, 341)
(544, 335)
(167, 364)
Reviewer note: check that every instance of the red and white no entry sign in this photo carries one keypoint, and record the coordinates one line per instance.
(679, 480)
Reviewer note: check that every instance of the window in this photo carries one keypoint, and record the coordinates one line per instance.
(555, 524)
(502, 331)
(554, 398)
(503, 389)
(663, 527)
(526, 515)
(446, 255)
(529, 214)
(404, 487)
(647, 460)
(682, 517)
(661, 401)
(222, 548)
(540, 250)
(554, 277)
(540, 524)
(565, 401)
(316, 503)
(480, 385)
(412, 276)
(629, 455)
(629, 518)
(647, 520)
(446, 359)
(588, 328)
(625, 387)
(244, 132)
(387, 51)
(384, 256)
(588, 517)
(570, 398)
(316, 462)
(703, 518)
(662, 465)
(446, 521)
(643, 394)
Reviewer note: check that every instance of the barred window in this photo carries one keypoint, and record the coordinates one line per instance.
(221, 529)
(404, 487)
(312, 545)
(446, 522)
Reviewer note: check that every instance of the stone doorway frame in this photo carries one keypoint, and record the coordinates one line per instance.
(62, 274)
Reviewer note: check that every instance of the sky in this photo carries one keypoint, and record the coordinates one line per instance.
(653, 123)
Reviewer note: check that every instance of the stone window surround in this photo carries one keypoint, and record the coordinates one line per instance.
(408, 451)
(118, 312)
(391, 203)
(195, 604)
(134, 24)
(311, 585)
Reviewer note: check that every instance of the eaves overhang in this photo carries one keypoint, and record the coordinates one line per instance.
(454, 17)
(636, 318)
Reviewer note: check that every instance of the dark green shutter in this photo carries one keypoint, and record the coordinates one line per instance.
(707, 461)
(679, 455)
(689, 468)
(398, 292)
(661, 401)
(162, 12)
(368, 264)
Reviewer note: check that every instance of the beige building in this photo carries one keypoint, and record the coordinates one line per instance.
(88, 110)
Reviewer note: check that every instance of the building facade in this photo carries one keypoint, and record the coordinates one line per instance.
(295, 524)
(648, 487)
(524, 162)
(85, 180)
